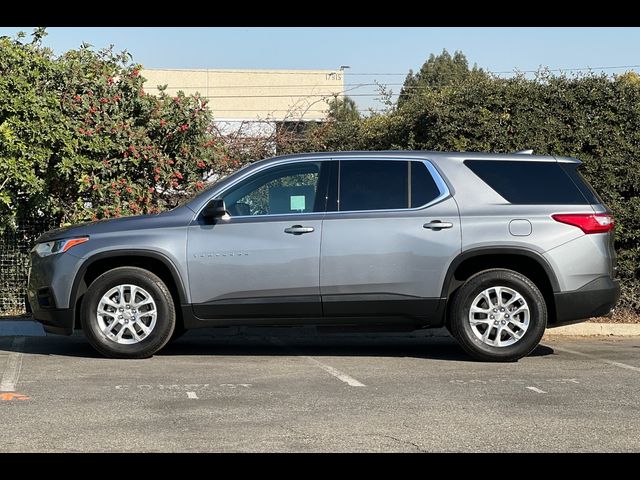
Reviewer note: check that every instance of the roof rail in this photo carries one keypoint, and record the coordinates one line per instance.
(524, 152)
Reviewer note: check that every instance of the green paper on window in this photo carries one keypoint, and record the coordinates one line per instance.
(298, 202)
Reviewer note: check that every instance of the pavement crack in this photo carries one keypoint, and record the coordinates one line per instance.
(399, 440)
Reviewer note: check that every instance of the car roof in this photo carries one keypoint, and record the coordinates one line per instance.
(429, 155)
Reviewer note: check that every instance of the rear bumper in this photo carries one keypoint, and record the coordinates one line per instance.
(595, 299)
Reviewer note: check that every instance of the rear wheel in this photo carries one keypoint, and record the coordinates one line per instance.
(128, 312)
(498, 315)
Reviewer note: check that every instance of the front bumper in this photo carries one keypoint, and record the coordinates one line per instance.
(48, 291)
(59, 320)
(595, 299)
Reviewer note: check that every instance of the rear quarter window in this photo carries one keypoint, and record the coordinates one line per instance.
(526, 182)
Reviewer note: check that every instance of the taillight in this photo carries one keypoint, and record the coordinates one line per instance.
(587, 222)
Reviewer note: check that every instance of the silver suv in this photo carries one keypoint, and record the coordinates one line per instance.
(494, 247)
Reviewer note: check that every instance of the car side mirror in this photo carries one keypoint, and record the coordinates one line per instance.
(214, 209)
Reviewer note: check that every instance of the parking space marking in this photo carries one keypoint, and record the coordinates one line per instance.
(343, 377)
(595, 357)
(11, 373)
(192, 396)
(537, 390)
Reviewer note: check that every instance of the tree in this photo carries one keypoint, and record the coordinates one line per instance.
(343, 110)
(438, 71)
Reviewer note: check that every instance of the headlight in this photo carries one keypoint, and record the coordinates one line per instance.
(57, 246)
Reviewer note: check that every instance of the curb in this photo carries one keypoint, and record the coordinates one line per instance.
(596, 329)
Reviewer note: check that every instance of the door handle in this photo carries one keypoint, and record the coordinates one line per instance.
(298, 230)
(437, 225)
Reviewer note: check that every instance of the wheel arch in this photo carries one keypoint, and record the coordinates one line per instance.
(523, 260)
(153, 261)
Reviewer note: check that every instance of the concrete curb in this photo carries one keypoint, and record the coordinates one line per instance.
(596, 329)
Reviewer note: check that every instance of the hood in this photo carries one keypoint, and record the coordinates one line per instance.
(177, 217)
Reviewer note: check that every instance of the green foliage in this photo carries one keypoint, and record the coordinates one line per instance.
(343, 110)
(591, 117)
(438, 71)
(80, 140)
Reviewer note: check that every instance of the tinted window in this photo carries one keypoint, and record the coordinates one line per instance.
(525, 182)
(423, 187)
(373, 185)
(279, 190)
(573, 170)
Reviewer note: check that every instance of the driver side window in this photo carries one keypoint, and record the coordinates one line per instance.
(285, 189)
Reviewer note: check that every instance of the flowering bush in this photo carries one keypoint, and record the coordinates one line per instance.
(81, 140)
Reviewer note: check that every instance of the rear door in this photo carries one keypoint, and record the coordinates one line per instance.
(387, 243)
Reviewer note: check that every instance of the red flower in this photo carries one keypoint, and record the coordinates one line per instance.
(199, 185)
(81, 130)
(170, 162)
(95, 186)
(135, 72)
(128, 189)
(201, 164)
(123, 181)
(157, 169)
(117, 193)
(132, 148)
(93, 110)
(86, 180)
(184, 128)
(110, 80)
(141, 92)
(151, 189)
(163, 122)
(77, 98)
(104, 100)
(178, 175)
(89, 132)
(156, 177)
(116, 98)
(113, 185)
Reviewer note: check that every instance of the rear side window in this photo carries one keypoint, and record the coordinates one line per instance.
(385, 185)
(373, 185)
(573, 170)
(524, 182)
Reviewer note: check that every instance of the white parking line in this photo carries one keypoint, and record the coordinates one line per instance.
(11, 373)
(343, 377)
(537, 390)
(192, 395)
(595, 357)
(335, 372)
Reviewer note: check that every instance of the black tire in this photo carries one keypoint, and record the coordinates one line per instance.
(165, 321)
(461, 329)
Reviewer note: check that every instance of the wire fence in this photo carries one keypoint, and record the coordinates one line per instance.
(14, 264)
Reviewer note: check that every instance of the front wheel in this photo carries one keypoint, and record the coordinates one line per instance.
(498, 315)
(128, 312)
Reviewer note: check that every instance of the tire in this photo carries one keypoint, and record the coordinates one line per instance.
(149, 292)
(524, 317)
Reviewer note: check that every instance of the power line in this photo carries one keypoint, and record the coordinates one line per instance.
(352, 74)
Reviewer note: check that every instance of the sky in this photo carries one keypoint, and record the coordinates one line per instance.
(374, 54)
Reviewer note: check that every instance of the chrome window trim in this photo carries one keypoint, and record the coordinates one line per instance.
(435, 174)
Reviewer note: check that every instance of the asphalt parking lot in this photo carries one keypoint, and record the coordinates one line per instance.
(276, 391)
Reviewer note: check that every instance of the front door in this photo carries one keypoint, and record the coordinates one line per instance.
(262, 259)
(386, 249)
